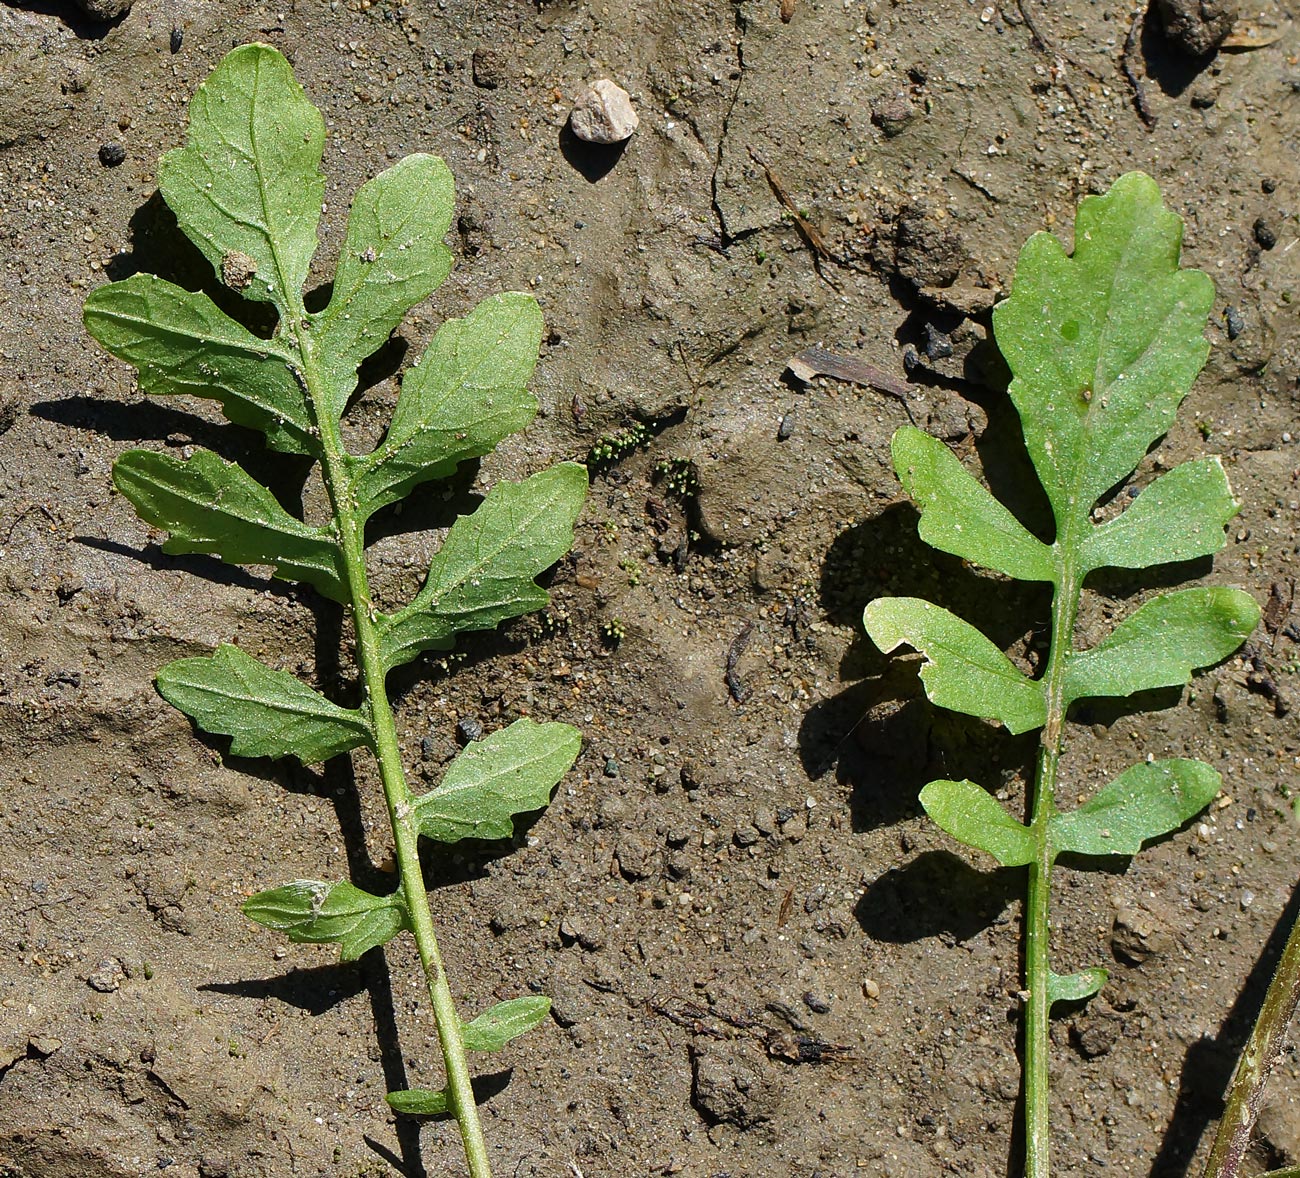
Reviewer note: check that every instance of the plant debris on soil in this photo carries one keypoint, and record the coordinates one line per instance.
(736, 878)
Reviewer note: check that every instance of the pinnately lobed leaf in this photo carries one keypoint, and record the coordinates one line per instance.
(1104, 343)
(963, 671)
(181, 342)
(484, 572)
(510, 772)
(1146, 801)
(267, 713)
(972, 816)
(209, 505)
(247, 186)
(317, 913)
(393, 258)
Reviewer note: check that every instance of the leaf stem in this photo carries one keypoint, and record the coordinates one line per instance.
(1246, 1093)
(1065, 608)
(397, 794)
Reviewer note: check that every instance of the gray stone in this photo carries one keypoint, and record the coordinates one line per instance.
(637, 857)
(1139, 934)
(104, 9)
(1197, 27)
(892, 112)
(107, 976)
(734, 1084)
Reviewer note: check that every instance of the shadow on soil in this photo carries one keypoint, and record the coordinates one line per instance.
(883, 738)
(83, 27)
(1209, 1064)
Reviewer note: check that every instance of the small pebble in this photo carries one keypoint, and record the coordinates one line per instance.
(111, 154)
(786, 428)
(107, 976)
(611, 767)
(468, 730)
(816, 1003)
(871, 988)
(1265, 234)
(487, 67)
(604, 114)
(892, 112)
(105, 9)
(937, 345)
(1233, 320)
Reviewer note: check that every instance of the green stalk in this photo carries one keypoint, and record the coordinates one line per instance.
(1246, 1093)
(1065, 606)
(397, 794)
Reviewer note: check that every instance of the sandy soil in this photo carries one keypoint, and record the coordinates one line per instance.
(764, 961)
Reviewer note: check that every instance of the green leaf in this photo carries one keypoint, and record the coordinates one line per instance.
(494, 1028)
(1104, 344)
(210, 505)
(1074, 987)
(179, 342)
(964, 671)
(322, 913)
(958, 514)
(419, 1102)
(1142, 803)
(393, 257)
(247, 187)
(1180, 516)
(266, 713)
(510, 772)
(973, 816)
(484, 571)
(1163, 642)
(459, 400)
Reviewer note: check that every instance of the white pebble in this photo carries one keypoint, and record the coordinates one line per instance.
(604, 114)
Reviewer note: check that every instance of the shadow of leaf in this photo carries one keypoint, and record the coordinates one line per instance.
(936, 894)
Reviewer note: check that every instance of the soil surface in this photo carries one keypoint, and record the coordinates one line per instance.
(764, 960)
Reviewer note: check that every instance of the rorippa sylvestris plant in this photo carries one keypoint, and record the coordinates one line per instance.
(246, 189)
(1103, 345)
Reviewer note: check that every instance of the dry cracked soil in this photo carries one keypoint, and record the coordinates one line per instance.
(764, 960)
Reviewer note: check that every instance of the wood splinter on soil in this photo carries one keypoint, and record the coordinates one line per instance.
(811, 363)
